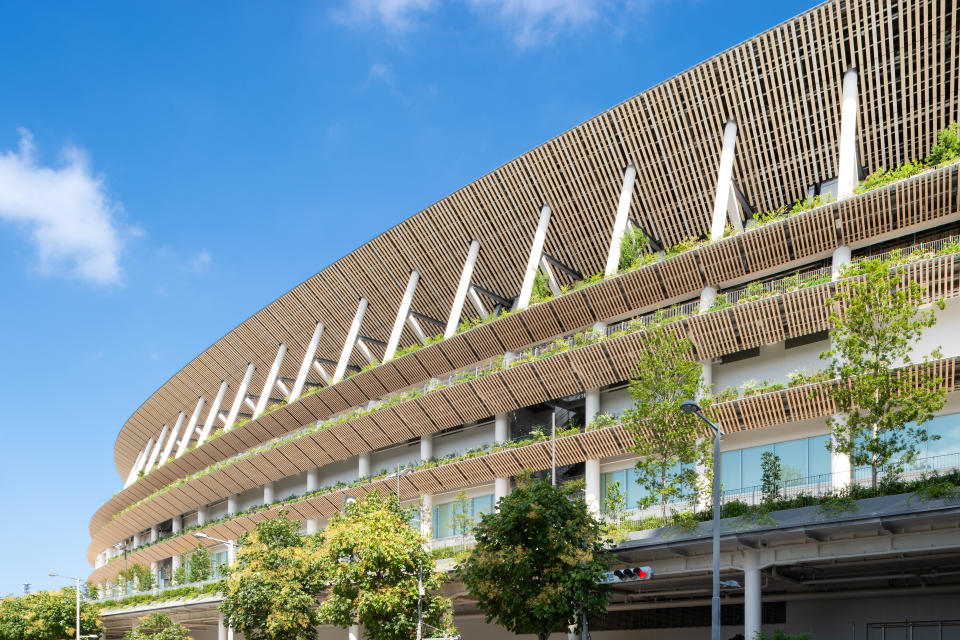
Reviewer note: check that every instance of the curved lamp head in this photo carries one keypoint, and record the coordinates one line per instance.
(200, 535)
(690, 406)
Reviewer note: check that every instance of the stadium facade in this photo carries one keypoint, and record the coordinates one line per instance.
(398, 368)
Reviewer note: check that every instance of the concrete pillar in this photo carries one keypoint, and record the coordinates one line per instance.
(847, 162)
(840, 466)
(136, 540)
(363, 464)
(501, 489)
(191, 428)
(349, 342)
(175, 563)
(313, 525)
(426, 515)
(270, 381)
(353, 633)
(426, 446)
(132, 476)
(155, 572)
(456, 310)
(620, 221)
(232, 507)
(171, 439)
(591, 404)
(307, 361)
(202, 514)
(707, 297)
(177, 523)
(403, 312)
(842, 256)
(536, 250)
(591, 471)
(232, 553)
(154, 533)
(721, 201)
(239, 398)
(501, 427)
(212, 416)
(751, 593)
(313, 479)
(147, 452)
(221, 628)
(268, 493)
(156, 449)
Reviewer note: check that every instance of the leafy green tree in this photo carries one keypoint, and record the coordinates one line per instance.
(272, 591)
(462, 521)
(180, 576)
(771, 478)
(666, 439)
(47, 615)
(875, 325)
(158, 626)
(541, 291)
(947, 148)
(631, 248)
(201, 567)
(537, 561)
(615, 501)
(137, 576)
(373, 560)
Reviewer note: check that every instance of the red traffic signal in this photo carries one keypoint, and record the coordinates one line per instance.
(629, 574)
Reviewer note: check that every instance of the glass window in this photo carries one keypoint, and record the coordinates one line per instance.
(750, 470)
(481, 505)
(443, 526)
(793, 459)
(730, 470)
(819, 455)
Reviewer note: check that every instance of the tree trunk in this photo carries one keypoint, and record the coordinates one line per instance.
(663, 495)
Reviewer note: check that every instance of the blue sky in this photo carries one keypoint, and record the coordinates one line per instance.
(167, 169)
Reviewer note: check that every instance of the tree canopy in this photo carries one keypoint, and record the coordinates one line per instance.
(538, 560)
(372, 559)
(47, 615)
(272, 591)
(158, 626)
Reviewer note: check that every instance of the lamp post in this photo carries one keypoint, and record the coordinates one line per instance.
(231, 546)
(57, 575)
(692, 407)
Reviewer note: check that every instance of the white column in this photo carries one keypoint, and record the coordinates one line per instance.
(202, 514)
(191, 428)
(403, 312)
(268, 493)
(212, 416)
(591, 470)
(353, 633)
(847, 162)
(840, 466)
(536, 250)
(751, 593)
(156, 448)
(133, 470)
(620, 222)
(270, 381)
(313, 480)
(240, 397)
(426, 515)
(147, 451)
(707, 297)
(426, 446)
(307, 361)
(154, 534)
(722, 197)
(501, 428)
(177, 524)
(171, 439)
(136, 540)
(478, 303)
(221, 628)
(841, 258)
(349, 342)
(456, 310)
(501, 489)
(313, 525)
(363, 464)
(591, 404)
(232, 507)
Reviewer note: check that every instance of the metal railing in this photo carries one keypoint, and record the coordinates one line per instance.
(120, 591)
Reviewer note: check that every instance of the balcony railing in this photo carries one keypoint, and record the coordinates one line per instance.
(120, 591)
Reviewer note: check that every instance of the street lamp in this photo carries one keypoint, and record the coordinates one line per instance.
(231, 546)
(57, 575)
(692, 407)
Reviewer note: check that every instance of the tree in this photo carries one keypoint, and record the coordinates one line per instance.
(272, 591)
(947, 147)
(537, 561)
(615, 501)
(772, 477)
(47, 615)
(875, 325)
(631, 248)
(666, 439)
(200, 566)
(158, 626)
(373, 560)
(462, 521)
(138, 576)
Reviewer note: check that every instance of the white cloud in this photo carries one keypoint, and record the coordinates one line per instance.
(66, 209)
(530, 22)
(395, 15)
(200, 263)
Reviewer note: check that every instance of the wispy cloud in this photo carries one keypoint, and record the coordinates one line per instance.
(395, 15)
(200, 263)
(66, 210)
(532, 22)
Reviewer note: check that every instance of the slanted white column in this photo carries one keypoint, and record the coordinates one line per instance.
(533, 262)
(426, 446)
(363, 464)
(478, 303)
(147, 452)
(842, 257)
(270, 381)
(403, 312)
(232, 506)
(156, 448)
(456, 310)
(238, 400)
(752, 608)
(847, 162)
(620, 221)
(212, 416)
(268, 493)
(191, 428)
(171, 439)
(305, 365)
(349, 342)
(501, 433)
(133, 470)
(552, 282)
(721, 199)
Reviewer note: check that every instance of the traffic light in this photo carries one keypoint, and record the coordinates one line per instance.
(627, 574)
